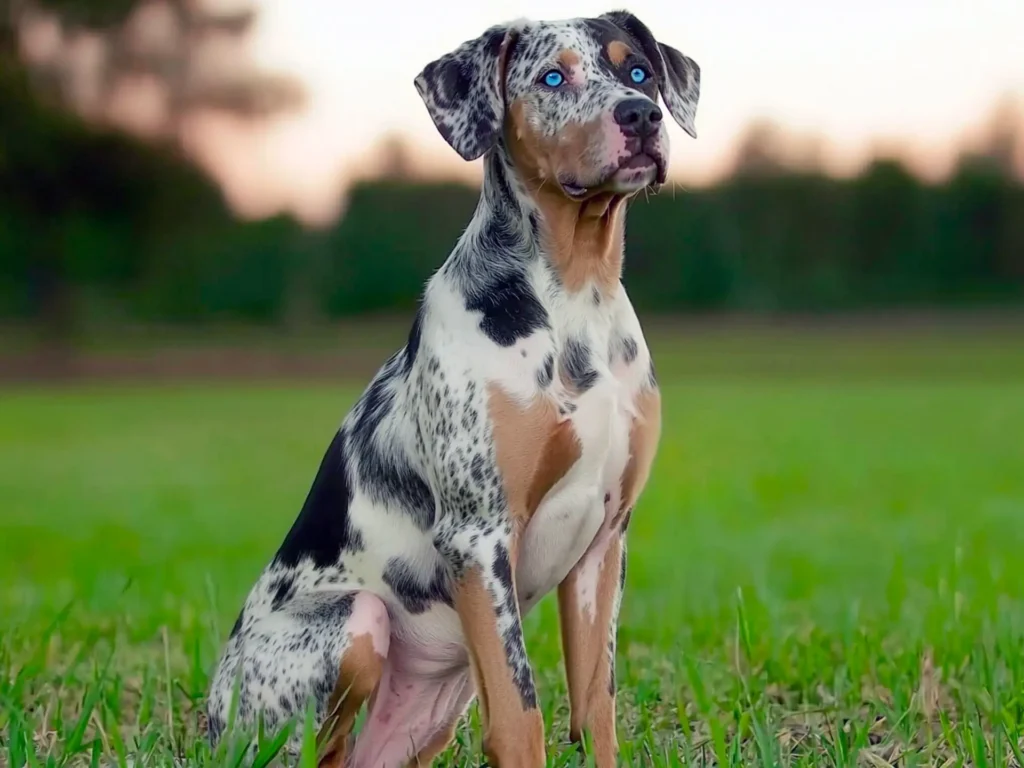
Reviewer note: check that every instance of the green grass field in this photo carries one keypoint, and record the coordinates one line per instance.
(825, 568)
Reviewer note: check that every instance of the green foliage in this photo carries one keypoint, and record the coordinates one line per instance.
(144, 235)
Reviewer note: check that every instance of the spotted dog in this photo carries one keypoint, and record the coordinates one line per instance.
(499, 454)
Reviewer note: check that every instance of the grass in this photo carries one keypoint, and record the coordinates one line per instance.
(825, 569)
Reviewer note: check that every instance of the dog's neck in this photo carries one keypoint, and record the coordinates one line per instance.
(582, 240)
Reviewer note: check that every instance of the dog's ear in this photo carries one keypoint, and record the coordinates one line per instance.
(465, 91)
(678, 75)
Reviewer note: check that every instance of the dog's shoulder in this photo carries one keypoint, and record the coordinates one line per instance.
(487, 323)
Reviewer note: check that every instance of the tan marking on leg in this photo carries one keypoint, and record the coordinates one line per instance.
(643, 446)
(584, 239)
(359, 673)
(534, 449)
(617, 52)
(585, 648)
(513, 736)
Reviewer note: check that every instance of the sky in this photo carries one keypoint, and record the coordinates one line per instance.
(914, 75)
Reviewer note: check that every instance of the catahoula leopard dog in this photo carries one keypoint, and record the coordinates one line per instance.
(498, 455)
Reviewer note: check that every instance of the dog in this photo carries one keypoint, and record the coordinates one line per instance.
(499, 454)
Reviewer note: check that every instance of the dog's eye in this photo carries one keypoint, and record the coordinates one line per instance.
(553, 79)
(638, 75)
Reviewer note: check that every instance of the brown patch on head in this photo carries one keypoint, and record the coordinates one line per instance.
(584, 239)
(534, 449)
(618, 51)
(513, 735)
(540, 158)
(358, 675)
(569, 59)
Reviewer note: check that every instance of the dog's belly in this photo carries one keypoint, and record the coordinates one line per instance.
(578, 508)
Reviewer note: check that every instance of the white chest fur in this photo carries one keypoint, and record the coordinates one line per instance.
(572, 515)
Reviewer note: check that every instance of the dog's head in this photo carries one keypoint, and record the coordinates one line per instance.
(575, 102)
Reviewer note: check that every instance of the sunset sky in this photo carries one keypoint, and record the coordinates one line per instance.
(912, 74)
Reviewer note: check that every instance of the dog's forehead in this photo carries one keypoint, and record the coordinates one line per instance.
(544, 41)
(587, 45)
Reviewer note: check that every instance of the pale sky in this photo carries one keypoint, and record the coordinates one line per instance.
(918, 74)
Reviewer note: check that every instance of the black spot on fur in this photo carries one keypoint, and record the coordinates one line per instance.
(595, 296)
(611, 668)
(546, 372)
(502, 567)
(534, 226)
(283, 588)
(326, 609)
(215, 727)
(626, 518)
(576, 362)
(510, 309)
(493, 40)
(515, 652)
(238, 623)
(412, 346)
(652, 378)
(388, 476)
(622, 568)
(505, 200)
(629, 349)
(322, 529)
(415, 596)
(457, 78)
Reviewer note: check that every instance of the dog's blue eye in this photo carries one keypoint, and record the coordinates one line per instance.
(637, 74)
(553, 79)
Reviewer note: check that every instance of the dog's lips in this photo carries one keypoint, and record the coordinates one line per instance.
(573, 189)
(631, 174)
(637, 161)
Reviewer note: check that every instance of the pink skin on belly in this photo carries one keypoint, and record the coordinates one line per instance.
(410, 708)
(423, 691)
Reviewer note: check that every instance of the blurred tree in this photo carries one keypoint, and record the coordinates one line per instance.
(395, 159)
(761, 150)
(1002, 144)
(77, 195)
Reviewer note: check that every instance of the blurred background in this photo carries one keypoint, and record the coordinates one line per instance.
(188, 174)
(198, 191)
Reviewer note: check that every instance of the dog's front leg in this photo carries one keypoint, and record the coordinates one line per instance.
(589, 597)
(488, 607)
(588, 609)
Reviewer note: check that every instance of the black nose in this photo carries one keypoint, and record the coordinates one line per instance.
(640, 115)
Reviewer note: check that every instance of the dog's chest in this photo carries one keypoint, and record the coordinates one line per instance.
(597, 391)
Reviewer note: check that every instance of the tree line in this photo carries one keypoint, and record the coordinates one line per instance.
(119, 231)
(99, 226)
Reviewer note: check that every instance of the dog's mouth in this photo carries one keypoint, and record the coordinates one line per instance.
(633, 173)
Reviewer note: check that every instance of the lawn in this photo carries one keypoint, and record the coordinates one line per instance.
(825, 568)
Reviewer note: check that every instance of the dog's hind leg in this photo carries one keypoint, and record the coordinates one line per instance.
(327, 650)
(360, 670)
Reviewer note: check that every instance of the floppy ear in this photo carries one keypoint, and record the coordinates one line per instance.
(464, 91)
(678, 75)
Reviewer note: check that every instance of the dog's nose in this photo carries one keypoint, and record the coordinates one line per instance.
(640, 115)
